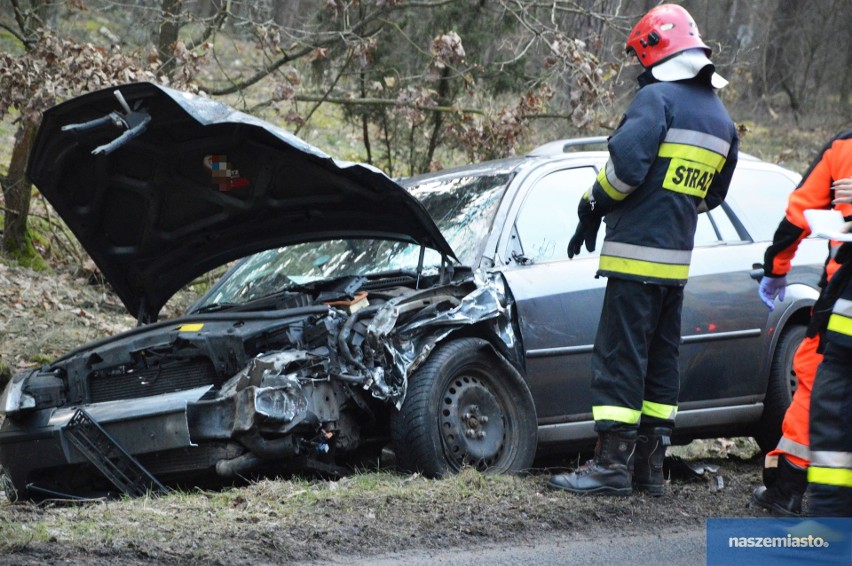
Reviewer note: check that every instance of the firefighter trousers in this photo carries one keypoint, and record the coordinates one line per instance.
(830, 472)
(635, 358)
(794, 444)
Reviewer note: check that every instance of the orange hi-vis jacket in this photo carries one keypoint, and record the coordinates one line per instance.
(815, 191)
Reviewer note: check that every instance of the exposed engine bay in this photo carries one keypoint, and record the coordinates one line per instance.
(300, 378)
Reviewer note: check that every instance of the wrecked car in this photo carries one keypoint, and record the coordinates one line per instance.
(437, 317)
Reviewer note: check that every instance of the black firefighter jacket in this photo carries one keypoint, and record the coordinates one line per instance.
(673, 154)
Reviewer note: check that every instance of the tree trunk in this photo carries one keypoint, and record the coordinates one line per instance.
(444, 98)
(169, 27)
(17, 190)
(780, 64)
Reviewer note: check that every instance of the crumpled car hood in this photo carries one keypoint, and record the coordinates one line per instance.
(199, 184)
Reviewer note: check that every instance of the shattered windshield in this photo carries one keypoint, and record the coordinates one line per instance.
(463, 208)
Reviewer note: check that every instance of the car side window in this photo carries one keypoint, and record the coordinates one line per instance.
(548, 216)
(705, 233)
(715, 227)
(759, 199)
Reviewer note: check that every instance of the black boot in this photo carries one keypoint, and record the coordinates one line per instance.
(784, 496)
(607, 474)
(651, 447)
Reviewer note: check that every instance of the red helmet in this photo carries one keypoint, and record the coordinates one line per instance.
(664, 31)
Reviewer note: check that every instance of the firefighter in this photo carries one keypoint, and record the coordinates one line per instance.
(671, 157)
(825, 185)
(830, 470)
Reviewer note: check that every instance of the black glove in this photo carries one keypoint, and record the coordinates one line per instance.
(587, 229)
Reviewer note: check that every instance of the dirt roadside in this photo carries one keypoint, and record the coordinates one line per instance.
(290, 521)
(312, 520)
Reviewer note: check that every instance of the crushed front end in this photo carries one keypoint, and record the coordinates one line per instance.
(303, 384)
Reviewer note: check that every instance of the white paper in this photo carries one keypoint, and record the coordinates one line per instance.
(827, 224)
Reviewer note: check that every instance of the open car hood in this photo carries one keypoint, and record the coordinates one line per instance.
(170, 185)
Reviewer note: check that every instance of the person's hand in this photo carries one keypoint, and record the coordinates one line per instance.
(770, 288)
(842, 191)
(576, 241)
(587, 232)
(587, 229)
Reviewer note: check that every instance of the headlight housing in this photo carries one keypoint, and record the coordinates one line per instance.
(31, 390)
(14, 398)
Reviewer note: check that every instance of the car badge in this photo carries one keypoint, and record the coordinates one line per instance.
(223, 173)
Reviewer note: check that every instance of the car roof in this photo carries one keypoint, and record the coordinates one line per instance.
(582, 150)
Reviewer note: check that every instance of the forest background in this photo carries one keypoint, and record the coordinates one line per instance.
(407, 85)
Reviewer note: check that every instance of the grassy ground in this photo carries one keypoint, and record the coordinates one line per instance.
(295, 521)
(790, 147)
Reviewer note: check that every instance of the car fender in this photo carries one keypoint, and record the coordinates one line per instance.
(797, 305)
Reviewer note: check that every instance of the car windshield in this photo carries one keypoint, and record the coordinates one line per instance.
(462, 207)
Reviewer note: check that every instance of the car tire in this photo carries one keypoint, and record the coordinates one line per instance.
(465, 407)
(780, 388)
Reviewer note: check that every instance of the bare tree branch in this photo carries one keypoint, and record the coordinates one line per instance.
(349, 101)
(214, 25)
(9, 211)
(19, 17)
(25, 34)
(337, 38)
(387, 102)
(260, 75)
(325, 95)
(24, 41)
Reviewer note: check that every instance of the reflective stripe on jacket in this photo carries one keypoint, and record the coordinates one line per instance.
(675, 148)
(839, 330)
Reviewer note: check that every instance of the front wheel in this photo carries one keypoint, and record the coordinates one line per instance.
(465, 407)
(780, 388)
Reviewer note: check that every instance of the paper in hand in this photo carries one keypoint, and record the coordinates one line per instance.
(827, 224)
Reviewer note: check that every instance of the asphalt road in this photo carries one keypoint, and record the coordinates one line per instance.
(686, 547)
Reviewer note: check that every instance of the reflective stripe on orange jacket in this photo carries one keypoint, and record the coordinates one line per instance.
(834, 162)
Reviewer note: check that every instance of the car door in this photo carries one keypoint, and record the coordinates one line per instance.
(558, 300)
(726, 331)
(723, 320)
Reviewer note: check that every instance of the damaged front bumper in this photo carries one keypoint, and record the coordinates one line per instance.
(254, 413)
(34, 444)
